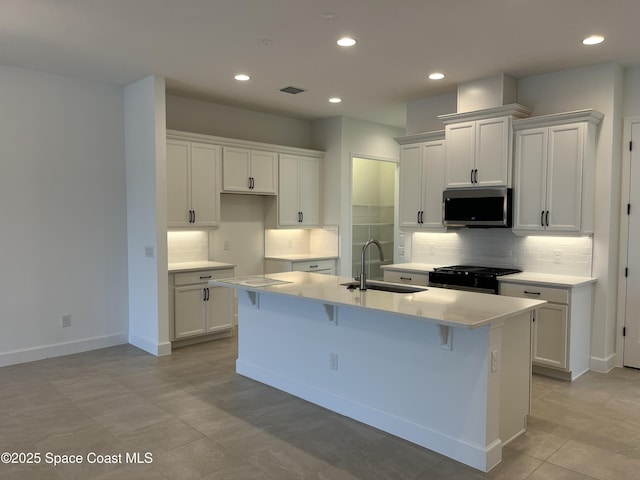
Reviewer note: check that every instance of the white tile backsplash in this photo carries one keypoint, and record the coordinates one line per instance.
(501, 248)
(317, 241)
(187, 246)
(324, 241)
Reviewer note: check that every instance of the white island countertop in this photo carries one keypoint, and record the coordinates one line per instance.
(454, 308)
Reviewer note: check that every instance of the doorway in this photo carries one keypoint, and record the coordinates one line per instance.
(630, 253)
(373, 212)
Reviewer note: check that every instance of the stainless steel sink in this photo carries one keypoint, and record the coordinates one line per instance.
(385, 287)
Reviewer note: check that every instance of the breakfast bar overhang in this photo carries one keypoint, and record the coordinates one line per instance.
(445, 369)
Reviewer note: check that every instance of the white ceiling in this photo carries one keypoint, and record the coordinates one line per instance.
(198, 45)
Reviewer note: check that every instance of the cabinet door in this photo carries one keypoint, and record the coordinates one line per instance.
(204, 192)
(529, 194)
(550, 336)
(493, 145)
(288, 190)
(218, 308)
(235, 169)
(190, 311)
(433, 180)
(410, 195)
(309, 191)
(460, 154)
(564, 177)
(263, 172)
(178, 204)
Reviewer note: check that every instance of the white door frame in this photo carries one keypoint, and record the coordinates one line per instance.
(625, 193)
(346, 260)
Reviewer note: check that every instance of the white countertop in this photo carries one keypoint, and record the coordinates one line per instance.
(412, 267)
(195, 266)
(299, 257)
(547, 279)
(453, 308)
(542, 279)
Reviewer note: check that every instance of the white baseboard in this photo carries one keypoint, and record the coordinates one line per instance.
(59, 349)
(603, 365)
(157, 349)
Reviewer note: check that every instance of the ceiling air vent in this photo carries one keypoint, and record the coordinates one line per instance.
(292, 90)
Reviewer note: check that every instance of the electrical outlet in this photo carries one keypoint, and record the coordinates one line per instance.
(65, 320)
(333, 361)
(226, 245)
(148, 252)
(557, 254)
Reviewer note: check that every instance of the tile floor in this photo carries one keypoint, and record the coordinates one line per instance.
(201, 421)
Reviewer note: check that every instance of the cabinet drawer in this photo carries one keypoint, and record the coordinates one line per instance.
(201, 276)
(550, 294)
(406, 277)
(313, 266)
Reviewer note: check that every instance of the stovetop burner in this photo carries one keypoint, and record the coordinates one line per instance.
(473, 269)
(469, 277)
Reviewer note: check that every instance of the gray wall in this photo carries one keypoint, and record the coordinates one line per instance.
(198, 116)
(64, 220)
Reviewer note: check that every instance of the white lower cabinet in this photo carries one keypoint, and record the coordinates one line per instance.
(561, 329)
(200, 309)
(324, 266)
(406, 276)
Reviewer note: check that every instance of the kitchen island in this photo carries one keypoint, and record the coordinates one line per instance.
(445, 369)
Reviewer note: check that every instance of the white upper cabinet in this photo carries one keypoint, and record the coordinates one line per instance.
(298, 191)
(555, 173)
(479, 147)
(249, 171)
(422, 174)
(192, 188)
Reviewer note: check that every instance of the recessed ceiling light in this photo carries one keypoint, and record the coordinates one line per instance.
(242, 77)
(593, 40)
(335, 100)
(436, 76)
(346, 42)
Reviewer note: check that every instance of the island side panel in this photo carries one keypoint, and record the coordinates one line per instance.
(515, 376)
(385, 370)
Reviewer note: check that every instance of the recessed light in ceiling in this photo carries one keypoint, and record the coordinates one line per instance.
(346, 42)
(335, 100)
(242, 77)
(593, 40)
(436, 76)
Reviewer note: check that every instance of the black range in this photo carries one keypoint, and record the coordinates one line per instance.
(469, 277)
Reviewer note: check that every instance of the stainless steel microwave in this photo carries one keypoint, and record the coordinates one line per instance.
(477, 207)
